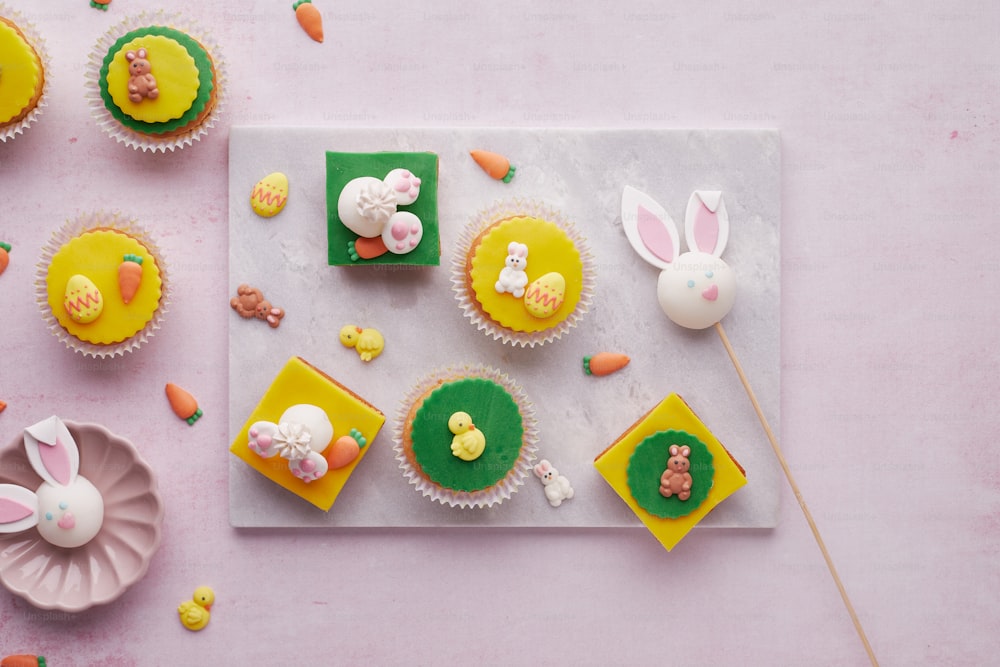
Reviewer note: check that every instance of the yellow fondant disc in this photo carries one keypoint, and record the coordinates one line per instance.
(550, 249)
(20, 73)
(97, 254)
(176, 78)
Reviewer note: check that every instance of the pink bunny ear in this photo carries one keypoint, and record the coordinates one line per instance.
(650, 230)
(142, 53)
(130, 56)
(52, 451)
(706, 222)
(543, 467)
(685, 451)
(18, 508)
(674, 450)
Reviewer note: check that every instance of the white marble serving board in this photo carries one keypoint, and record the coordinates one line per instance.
(582, 173)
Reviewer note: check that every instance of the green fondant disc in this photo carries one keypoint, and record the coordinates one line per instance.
(205, 81)
(493, 411)
(647, 464)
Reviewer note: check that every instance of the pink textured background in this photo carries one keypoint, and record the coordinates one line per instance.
(890, 364)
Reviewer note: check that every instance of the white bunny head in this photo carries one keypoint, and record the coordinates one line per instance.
(517, 256)
(67, 509)
(697, 288)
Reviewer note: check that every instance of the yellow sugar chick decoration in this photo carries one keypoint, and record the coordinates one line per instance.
(369, 343)
(469, 442)
(194, 613)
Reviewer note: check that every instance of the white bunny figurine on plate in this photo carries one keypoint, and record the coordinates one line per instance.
(67, 509)
(697, 288)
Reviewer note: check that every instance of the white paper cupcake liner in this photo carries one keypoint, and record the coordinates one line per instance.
(507, 486)
(501, 210)
(138, 140)
(70, 230)
(28, 30)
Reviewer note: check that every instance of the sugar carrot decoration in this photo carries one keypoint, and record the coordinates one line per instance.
(3, 406)
(100, 4)
(604, 363)
(494, 164)
(129, 276)
(309, 18)
(4, 256)
(23, 660)
(183, 404)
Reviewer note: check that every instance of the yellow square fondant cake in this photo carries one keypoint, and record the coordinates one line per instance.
(670, 470)
(308, 433)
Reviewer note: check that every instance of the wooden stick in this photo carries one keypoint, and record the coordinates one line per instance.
(798, 494)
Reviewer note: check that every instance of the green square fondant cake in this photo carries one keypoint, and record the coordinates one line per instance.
(382, 209)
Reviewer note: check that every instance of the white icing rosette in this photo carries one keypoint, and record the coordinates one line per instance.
(514, 477)
(140, 140)
(10, 130)
(99, 220)
(499, 211)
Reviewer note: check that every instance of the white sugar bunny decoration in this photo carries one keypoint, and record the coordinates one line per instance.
(67, 509)
(697, 288)
(513, 278)
(557, 487)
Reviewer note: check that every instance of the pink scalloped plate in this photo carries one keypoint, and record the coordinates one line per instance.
(73, 580)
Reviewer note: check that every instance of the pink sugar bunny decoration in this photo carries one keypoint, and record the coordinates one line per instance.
(66, 508)
(141, 82)
(676, 479)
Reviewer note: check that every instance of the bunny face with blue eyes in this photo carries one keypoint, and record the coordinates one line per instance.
(697, 288)
(67, 509)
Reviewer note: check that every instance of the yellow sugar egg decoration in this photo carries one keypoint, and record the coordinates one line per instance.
(545, 295)
(269, 195)
(82, 299)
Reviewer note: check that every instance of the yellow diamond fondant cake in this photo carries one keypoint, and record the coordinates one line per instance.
(308, 433)
(670, 470)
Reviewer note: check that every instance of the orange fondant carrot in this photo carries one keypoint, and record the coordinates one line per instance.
(3, 406)
(364, 248)
(309, 18)
(23, 660)
(183, 404)
(4, 256)
(100, 4)
(604, 363)
(129, 276)
(494, 164)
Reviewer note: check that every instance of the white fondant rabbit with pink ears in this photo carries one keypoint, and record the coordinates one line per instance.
(513, 277)
(67, 509)
(557, 487)
(697, 288)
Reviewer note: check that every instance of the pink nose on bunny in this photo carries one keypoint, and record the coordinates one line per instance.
(68, 521)
(711, 293)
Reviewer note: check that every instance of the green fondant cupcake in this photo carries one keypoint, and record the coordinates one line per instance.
(466, 437)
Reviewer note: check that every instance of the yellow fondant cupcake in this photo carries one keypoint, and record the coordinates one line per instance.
(23, 79)
(102, 285)
(522, 273)
(154, 82)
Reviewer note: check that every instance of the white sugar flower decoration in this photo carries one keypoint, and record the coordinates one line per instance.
(292, 441)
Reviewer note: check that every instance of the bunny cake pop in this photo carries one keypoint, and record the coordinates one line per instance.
(696, 289)
(67, 509)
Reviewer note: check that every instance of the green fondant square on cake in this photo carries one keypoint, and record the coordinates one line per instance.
(382, 209)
